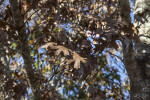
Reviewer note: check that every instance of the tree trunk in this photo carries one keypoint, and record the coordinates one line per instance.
(21, 29)
(137, 60)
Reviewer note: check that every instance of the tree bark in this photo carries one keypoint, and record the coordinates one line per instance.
(21, 29)
(137, 56)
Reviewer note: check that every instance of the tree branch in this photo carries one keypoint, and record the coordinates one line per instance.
(124, 8)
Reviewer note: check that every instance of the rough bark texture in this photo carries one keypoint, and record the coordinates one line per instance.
(21, 29)
(136, 60)
(142, 22)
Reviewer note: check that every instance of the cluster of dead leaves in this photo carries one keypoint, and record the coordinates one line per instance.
(77, 65)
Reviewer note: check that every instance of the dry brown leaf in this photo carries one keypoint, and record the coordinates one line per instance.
(86, 43)
(62, 49)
